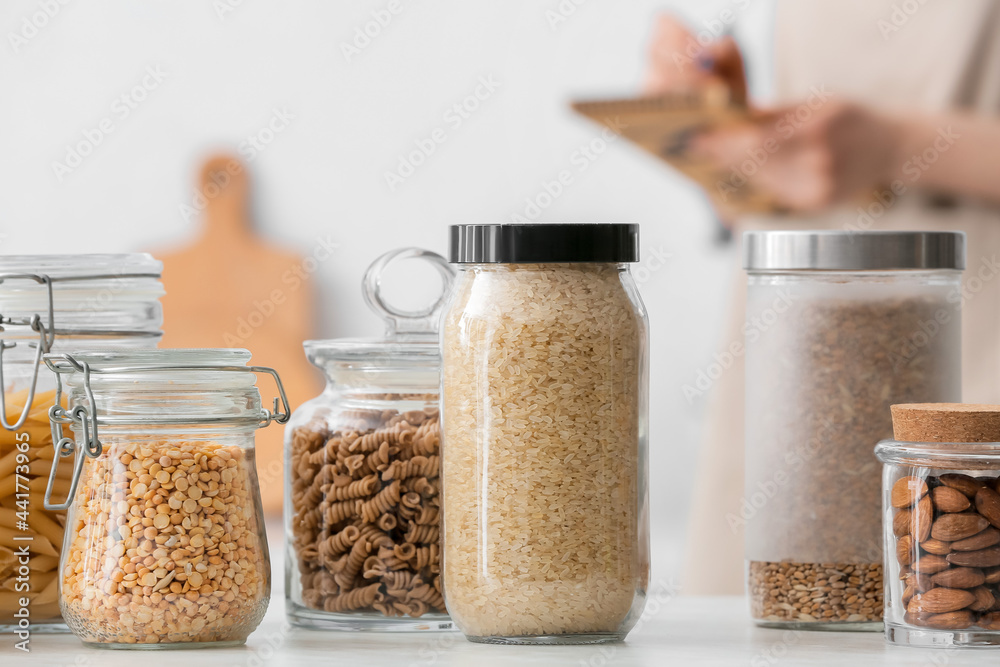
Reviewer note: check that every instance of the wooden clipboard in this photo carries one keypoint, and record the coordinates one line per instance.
(664, 126)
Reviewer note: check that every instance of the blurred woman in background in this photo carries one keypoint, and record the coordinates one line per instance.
(886, 118)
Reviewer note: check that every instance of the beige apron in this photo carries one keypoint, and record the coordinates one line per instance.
(917, 55)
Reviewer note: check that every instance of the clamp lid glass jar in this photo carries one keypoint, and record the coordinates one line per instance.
(544, 421)
(165, 543)
(61, 303)
(839, 325)
(362, 510)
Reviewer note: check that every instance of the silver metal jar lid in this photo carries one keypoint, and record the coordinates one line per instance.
(852, 251)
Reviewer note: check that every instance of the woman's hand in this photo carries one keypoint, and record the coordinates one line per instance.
(677, 61)
(807, 156)
(822, 151)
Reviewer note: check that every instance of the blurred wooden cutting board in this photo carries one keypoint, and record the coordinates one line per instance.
(231, 288)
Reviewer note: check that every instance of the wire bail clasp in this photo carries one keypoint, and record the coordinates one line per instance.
(46, 335)
(82, 415)
(281, 415)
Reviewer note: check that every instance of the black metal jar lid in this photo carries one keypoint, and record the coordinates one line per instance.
(543, 243)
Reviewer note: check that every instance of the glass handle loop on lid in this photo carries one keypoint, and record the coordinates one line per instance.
(423, 321)
(46, 335)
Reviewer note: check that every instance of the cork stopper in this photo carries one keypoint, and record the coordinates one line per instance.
(945, 422)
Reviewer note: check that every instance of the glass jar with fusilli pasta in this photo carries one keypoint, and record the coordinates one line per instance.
(362, 508)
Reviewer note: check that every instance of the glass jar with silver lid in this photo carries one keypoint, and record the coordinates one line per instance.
(839, 326)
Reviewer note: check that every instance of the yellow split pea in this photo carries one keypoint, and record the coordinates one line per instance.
(166, 546)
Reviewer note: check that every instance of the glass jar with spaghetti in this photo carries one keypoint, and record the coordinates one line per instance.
(362, 505)
(165, 544)
(53, 303)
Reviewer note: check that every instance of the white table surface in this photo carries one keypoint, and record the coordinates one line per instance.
(674, 630)
(682, 631)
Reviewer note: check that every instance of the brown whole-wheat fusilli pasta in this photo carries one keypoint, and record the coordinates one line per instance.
(334, 513)
(387, 522)
(376, 537)
(423, 534)
(355, 560)
(359, 488)
(381, 503)
(429, 594)
(418, 466)
(354, 599)
(338, 543)
(365, 515)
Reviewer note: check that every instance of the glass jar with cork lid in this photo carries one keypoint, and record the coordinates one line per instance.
(941, 518)
(840, 325)
(362, 504)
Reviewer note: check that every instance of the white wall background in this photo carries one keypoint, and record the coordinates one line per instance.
(229, 64)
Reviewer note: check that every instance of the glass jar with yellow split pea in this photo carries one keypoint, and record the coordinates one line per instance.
(165, 545)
